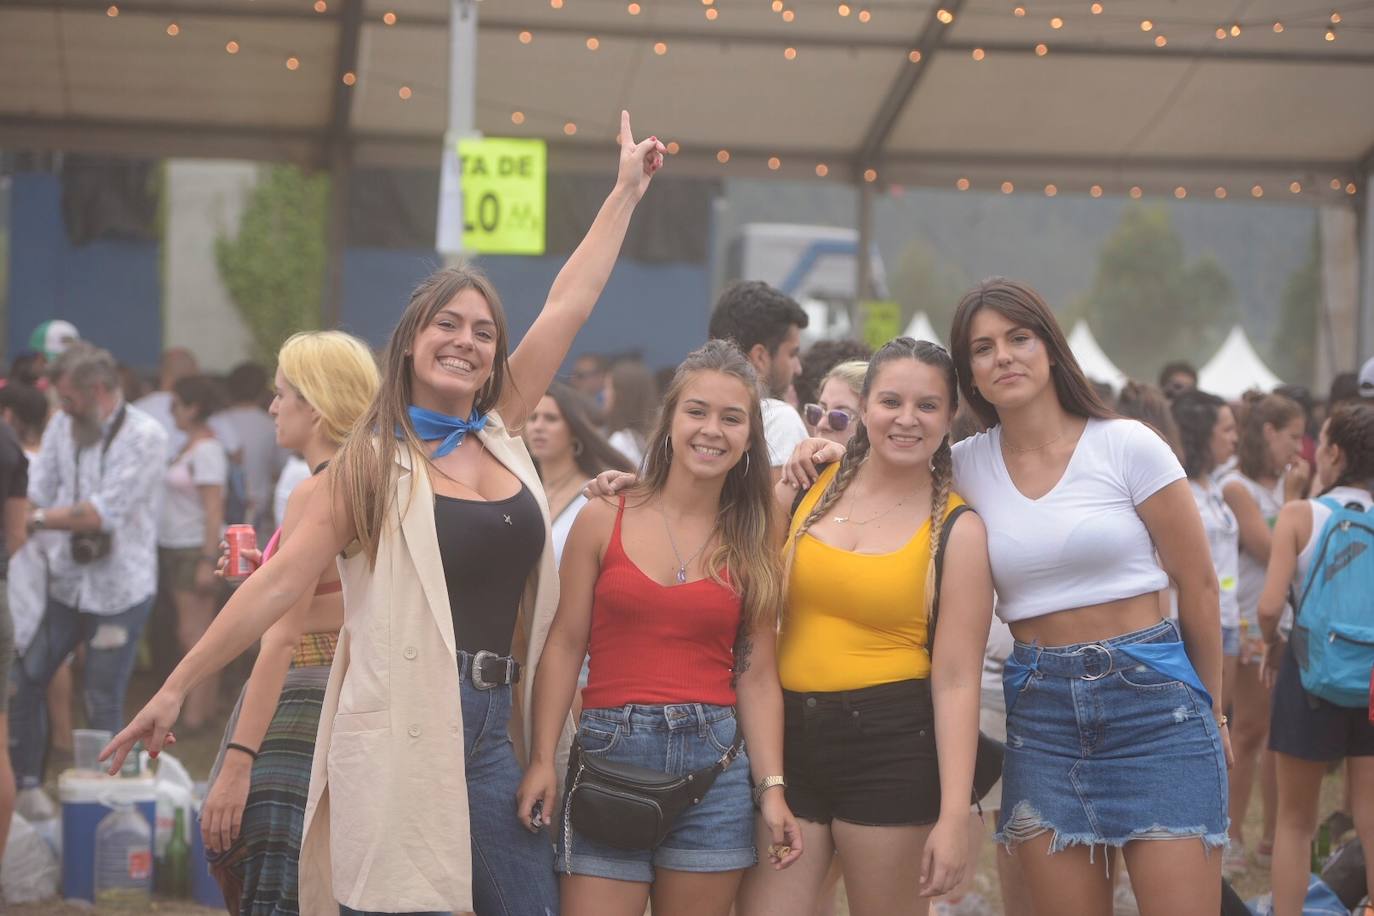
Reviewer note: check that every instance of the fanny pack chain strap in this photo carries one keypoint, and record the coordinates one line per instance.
(567, 818)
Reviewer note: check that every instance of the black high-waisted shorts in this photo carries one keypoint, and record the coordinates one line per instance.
(863, 756)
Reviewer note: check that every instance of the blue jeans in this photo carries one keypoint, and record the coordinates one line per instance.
(512, 869)
(111, 644)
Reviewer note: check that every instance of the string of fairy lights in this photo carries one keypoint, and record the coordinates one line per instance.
(1056, 16)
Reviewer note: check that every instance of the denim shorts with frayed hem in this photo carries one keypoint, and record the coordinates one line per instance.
(1103, 750)
(714, 836)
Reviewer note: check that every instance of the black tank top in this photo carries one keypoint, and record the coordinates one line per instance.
(488, 549)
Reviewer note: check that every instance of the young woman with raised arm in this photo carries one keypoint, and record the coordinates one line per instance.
(449, 587)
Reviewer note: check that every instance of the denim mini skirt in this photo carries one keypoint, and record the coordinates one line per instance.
(1111, 742)
(713, 836)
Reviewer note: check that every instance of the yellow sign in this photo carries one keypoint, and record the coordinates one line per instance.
(882, 321)
(503, 195)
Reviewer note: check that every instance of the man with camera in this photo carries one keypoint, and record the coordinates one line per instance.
(96, 477)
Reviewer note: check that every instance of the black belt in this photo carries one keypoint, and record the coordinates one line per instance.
(487, 670)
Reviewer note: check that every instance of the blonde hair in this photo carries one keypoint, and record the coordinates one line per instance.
(747, 558)
(366, 463)
(851, 373)
(335, 373)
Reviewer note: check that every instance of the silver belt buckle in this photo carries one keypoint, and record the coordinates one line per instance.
(1105, 651)
(475, 669)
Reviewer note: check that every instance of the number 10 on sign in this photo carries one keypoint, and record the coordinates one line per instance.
(503, 195)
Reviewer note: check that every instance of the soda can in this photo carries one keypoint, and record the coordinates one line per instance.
(239, 539)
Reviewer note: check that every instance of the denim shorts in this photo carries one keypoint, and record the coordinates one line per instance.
(863, 756)
(714, 836)
(1103, 750)
(1230, 641)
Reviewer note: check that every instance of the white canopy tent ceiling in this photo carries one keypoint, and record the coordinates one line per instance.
(1146, 98)
(1140, 95)
(1236, 368)
(1094, 362)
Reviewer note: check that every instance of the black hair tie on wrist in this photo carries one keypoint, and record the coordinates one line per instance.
(231, 746)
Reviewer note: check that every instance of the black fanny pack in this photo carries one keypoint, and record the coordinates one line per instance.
(628, 806)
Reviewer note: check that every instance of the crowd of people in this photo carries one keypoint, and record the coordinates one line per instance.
(706, 680)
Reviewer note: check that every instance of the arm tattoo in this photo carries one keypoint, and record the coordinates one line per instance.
(744, 650)
(78, 510)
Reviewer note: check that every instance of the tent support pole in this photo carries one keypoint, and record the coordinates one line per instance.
(863, 263)
(462, 122)
(1364, 316)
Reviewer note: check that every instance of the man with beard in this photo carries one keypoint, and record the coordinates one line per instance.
(766, 324)
(95, 479)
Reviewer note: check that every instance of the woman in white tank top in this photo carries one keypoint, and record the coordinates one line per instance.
(1308, 733)
(1269, 472)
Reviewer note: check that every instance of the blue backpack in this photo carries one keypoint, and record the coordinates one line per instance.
(1333, 627)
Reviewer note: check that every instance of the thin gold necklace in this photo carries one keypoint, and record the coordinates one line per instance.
(1034, 448)
(853, 496)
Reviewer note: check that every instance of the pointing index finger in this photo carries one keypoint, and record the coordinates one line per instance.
(627, 139)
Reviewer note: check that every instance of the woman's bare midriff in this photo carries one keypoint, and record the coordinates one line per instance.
(1094, 623)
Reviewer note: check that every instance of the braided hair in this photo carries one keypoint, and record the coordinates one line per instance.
(856, 452)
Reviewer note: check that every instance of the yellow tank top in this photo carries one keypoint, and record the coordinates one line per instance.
(854, 620)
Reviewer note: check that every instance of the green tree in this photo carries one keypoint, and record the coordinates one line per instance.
(274, 268)
(922, 280)
(1150, 304)
(1292, 352)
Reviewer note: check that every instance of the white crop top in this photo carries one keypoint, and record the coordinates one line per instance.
(1082, 543)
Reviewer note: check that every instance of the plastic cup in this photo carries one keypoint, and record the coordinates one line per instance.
(87, 743)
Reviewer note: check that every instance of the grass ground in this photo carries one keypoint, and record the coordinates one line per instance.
(197, 752)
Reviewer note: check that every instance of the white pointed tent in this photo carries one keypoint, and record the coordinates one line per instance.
(1236, 368)
(920, 328)
(1095, 363)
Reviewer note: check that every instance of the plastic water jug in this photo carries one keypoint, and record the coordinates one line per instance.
(123, 859)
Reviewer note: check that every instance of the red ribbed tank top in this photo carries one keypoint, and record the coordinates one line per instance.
(655, 644)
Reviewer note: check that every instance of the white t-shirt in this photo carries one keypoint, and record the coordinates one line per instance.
(625, 442)
(1223, 539)
(1252, 571)
(782, 428)
(1083, 542)
(561, 526)
(182, 520)
(292, 474)
(158, 405)
(261, 457)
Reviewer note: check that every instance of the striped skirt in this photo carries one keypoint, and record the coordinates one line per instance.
(258, 873)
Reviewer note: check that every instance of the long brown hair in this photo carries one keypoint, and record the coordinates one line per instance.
(941, 463)
(747, 557)
(367, 459)
(1252, 451)
(591, 453)
(1023, 307)
(1146, 403)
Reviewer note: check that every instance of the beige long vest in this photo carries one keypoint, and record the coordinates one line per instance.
(386, 819)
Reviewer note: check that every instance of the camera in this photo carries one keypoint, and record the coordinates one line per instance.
(89, 546)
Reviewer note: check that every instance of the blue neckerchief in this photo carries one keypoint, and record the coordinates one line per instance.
(430, 425)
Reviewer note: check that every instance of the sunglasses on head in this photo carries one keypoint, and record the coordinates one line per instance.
(839, 418)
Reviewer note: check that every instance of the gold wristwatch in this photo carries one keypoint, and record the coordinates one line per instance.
(764, 784)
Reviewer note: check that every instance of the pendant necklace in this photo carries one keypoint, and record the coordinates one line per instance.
(681, 564)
